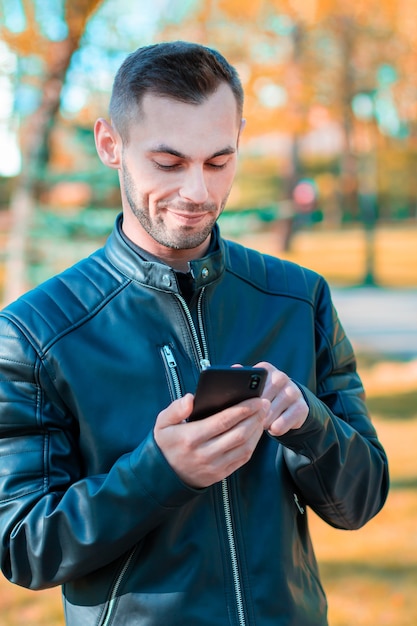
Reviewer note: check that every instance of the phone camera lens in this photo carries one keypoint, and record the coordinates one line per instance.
(254, 382)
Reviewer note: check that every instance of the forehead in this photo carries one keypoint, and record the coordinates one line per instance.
(161, 120)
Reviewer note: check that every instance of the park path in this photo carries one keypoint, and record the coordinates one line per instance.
(379, 321)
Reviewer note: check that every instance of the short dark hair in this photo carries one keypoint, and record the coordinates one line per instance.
(187, 72)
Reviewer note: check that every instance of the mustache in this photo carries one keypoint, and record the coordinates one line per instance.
(189, 207)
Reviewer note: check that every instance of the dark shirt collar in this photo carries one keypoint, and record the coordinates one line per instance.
(185, 280)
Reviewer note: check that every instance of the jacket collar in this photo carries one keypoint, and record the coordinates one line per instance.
(157, 274)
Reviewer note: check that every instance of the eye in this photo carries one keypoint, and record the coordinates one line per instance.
(166, 167)
(217, 165)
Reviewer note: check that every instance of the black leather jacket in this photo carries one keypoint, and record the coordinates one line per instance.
(87, 500)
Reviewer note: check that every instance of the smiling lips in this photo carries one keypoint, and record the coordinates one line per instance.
(189, 217)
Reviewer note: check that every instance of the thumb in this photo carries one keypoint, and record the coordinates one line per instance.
(177, 411)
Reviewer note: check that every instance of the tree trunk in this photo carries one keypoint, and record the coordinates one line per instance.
(348, 169)
(34, 146)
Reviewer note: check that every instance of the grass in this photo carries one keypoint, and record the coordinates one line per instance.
(369, 575)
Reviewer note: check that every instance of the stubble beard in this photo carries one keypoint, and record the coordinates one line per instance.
(183, 238)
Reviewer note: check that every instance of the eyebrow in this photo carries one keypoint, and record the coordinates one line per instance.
(165, 149)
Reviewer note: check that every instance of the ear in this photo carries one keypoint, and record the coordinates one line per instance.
(108, 143)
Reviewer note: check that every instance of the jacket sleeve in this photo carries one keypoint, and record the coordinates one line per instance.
(56, 525)
(336, 459)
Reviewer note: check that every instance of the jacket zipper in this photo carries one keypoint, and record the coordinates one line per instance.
(233, 553)
(202, 351)
(113, 594)
(201, 348)
(204, 362)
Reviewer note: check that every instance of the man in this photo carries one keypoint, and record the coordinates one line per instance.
(143, 516)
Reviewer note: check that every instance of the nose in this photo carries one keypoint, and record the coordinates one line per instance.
(194, 187)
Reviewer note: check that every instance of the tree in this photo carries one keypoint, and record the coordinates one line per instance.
(54, 58)
(298, 57)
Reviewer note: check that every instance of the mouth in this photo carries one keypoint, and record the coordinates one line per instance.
(189, 219)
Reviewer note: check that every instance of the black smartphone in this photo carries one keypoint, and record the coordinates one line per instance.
(219, 388)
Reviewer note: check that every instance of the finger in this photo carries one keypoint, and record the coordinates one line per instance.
(286, 397)
(291, 418)
(176, 412)
(276, 380)
(241, 433)
(232, 449)
(220, 423)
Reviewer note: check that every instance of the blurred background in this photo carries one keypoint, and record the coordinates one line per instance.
(327, 178)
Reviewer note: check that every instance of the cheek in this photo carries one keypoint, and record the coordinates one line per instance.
(223, 188)
(161, 185)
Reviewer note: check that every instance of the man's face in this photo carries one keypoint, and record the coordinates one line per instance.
(177, 169)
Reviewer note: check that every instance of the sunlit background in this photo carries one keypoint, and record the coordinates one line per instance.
(331, 108)
(327, 178)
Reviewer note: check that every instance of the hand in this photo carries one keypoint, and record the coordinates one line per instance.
(206, 451)
(288, 408)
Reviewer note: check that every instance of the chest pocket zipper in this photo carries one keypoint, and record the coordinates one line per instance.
(173, 371)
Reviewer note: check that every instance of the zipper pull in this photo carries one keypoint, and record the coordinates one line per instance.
(204, 364)
(169, 356)
(297, 502)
